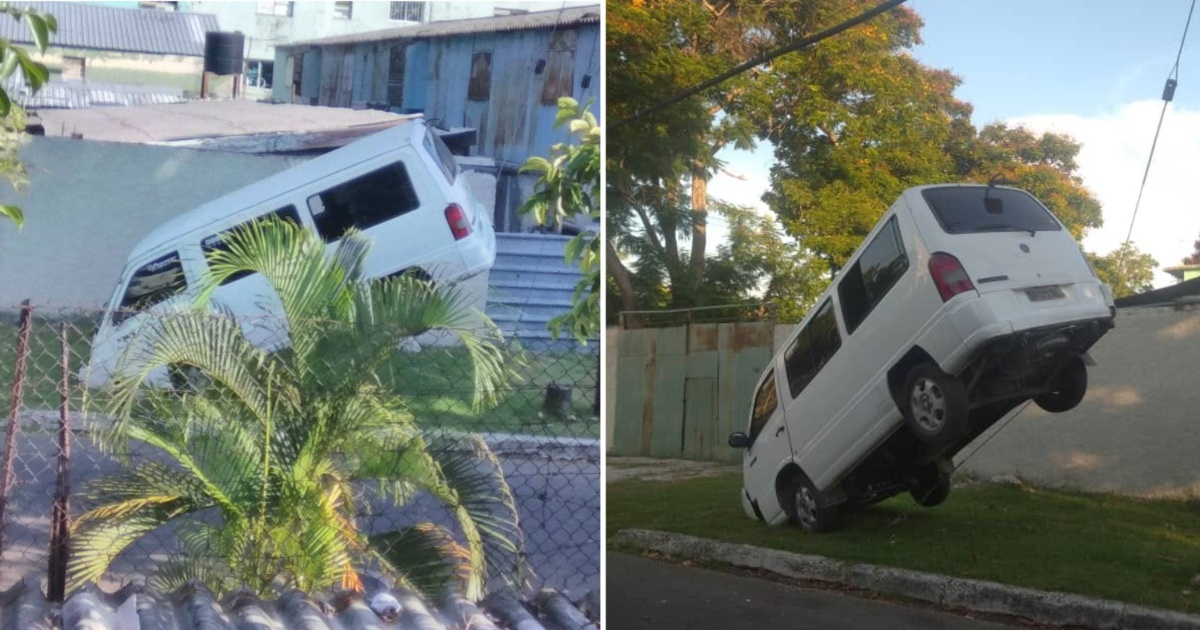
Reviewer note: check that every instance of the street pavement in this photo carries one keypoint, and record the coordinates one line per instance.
(644, 594)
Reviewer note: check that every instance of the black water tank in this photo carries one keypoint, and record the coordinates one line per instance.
(223, 52)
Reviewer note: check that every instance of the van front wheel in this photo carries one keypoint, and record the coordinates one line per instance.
(935, 405)
(806, 507)
(1067, 389)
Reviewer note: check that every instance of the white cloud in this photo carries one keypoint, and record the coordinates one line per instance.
(1111, 163)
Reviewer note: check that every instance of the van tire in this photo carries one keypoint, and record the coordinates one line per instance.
(1067, 389)
(931, 486)
(935, 405)
(806, 507)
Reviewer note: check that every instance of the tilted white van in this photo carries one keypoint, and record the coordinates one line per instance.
(401, 186)
(963, 302)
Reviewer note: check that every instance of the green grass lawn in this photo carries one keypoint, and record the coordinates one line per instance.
(1143, 552)
(436, 381)
(439, 385)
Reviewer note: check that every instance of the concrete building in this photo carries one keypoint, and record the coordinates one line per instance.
(98, 44)
(273, 23)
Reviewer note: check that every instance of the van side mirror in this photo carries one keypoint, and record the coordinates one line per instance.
(737, 439)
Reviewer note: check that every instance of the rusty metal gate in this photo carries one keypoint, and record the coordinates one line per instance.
(682, 390)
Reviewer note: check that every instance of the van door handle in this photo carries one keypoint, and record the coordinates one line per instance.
(779, 430)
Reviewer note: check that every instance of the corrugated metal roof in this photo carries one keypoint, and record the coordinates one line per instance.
(99, 27)
(134, 607)
(560, 18)
(83, 94)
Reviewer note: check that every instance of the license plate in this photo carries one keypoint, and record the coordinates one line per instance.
(1042, 294)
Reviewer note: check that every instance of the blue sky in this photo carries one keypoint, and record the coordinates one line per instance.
(1093, 69)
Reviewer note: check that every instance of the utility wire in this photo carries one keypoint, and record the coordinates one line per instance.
(761, 59)
(1168, 96)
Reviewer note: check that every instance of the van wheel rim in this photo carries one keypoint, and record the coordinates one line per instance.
(806, 507)
(929, 405)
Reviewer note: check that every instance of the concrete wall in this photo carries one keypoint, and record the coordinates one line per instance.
(88, 203)
(104, 66)
(1137, 432)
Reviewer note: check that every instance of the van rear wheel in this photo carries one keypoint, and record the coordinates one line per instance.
(806, 507)
(1067, 389)
(935, 405)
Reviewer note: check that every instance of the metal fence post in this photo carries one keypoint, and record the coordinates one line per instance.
(60, 526)
(14, 412)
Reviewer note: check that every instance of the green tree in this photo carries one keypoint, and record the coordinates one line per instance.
(12, 116)
(569, 186)
(275, 443)
(1127, 270)
(854, 120)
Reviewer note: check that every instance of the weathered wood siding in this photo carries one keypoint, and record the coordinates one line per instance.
(681, 391)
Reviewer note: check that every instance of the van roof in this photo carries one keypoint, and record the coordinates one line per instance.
(238, 201)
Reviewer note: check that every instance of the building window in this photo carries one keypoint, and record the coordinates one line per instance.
(480, 87)
(282, 9)
(74, 68)
(408, 11)
(259, 73)
(343, 10)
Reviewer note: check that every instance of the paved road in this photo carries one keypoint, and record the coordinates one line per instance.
(645, 594)
(558, 500)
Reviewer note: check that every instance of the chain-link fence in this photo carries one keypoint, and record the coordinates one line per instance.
(269, 454)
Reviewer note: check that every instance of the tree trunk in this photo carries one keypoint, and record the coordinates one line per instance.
(620, 273)
(699, 222)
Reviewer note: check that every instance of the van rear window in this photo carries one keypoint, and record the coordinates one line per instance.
(961, 210)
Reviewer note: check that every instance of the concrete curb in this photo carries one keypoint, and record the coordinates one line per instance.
(1060, 609)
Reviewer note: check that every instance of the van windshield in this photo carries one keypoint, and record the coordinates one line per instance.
(961, 210)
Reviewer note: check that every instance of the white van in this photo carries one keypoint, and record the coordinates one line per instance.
(963, 302)
(400, 186)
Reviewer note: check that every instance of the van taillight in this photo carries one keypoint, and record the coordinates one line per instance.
(949, 275)
(457, 219)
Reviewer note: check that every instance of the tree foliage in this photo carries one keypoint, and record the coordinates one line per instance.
(15, 59)
(267, 451)
(853, 120)
(1127, 270)
(569, 186)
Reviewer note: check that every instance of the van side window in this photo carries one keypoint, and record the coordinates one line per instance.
(364, 201)
(157, 280)
(872, 275)
(216, 242)
(812, 349)
(765, 402)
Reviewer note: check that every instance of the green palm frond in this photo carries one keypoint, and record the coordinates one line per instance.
(472, 470)
(428, 556)
(96, 542)
(180, 571)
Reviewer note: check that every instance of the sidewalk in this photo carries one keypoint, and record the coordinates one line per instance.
(654, 469)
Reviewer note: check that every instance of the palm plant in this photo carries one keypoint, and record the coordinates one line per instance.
(262, 459)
